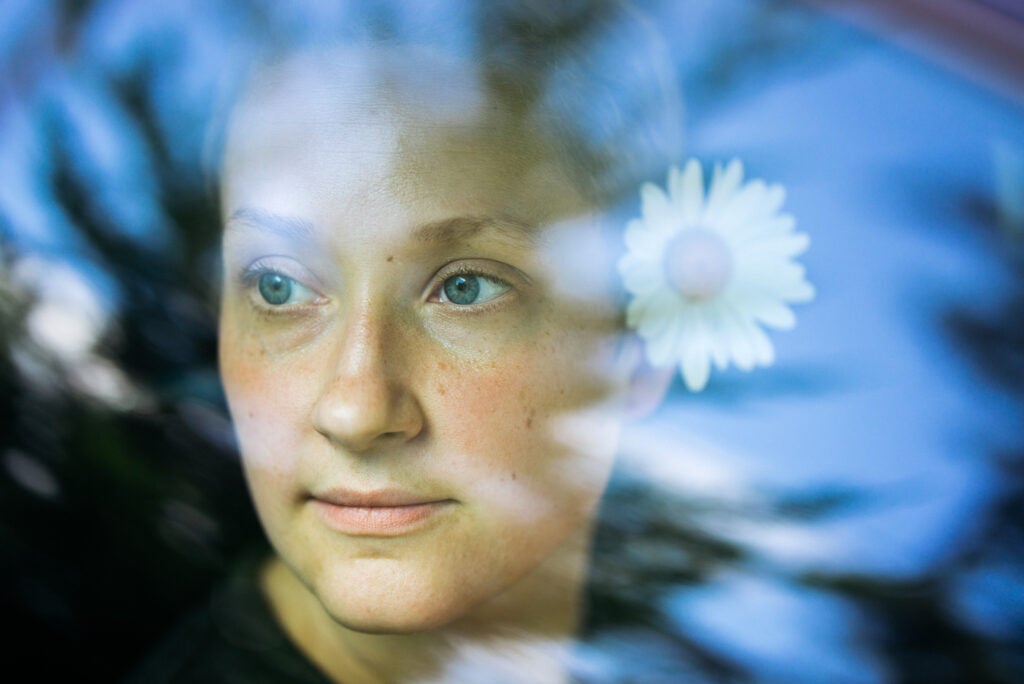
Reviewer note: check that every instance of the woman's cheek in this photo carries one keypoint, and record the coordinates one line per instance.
(514, 425)
(264, 400)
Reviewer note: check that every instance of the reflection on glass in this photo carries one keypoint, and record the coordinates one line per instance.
(408, 219)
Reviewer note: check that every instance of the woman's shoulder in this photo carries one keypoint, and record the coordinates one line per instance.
(231, 637)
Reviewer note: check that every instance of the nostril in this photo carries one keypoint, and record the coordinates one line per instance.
(396, 434)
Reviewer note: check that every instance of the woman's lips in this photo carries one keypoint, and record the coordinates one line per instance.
(381, 513)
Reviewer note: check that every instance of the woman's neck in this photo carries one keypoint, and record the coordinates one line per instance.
(529, 628)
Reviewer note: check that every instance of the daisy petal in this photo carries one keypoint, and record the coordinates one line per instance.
(753, 244)
(721, 332)
(775, 314)
(764, 353)
(661, 349)
(689, 193)
(724, 185)
(641, 240)
(655, 206)
(640, 279)
(695, 368)
(651, 316)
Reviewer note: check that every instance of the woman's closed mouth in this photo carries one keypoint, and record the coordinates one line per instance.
(377, 513)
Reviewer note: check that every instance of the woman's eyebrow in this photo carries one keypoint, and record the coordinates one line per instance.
(449, 230)
(460, 228)
(289, 227)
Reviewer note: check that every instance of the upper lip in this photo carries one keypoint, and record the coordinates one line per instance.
(375, 498)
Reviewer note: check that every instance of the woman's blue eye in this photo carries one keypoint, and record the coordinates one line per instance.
(462, 289)
(275, 288)
(468, 288)
(278, 290)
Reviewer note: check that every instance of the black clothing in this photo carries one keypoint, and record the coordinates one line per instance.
(233, 637)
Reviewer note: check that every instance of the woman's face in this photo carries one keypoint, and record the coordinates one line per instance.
(424, 381)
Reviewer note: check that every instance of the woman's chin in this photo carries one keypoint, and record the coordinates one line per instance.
(386, 619)
(391, 608)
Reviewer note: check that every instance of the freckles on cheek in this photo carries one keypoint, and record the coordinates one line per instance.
(498, 423)
(488, 397)
(471, 405)
(261, 409)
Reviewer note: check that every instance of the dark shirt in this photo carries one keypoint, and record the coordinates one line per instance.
(233, 637)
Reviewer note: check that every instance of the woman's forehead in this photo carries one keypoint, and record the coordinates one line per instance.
(361, 98)
(362, 127)
(425, 79)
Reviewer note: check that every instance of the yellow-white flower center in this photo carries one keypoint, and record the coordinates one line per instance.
(698, 264)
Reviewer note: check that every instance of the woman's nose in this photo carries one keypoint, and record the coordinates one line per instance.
(366, 401)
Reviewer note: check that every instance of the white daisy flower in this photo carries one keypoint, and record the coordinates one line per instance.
(706, 272)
